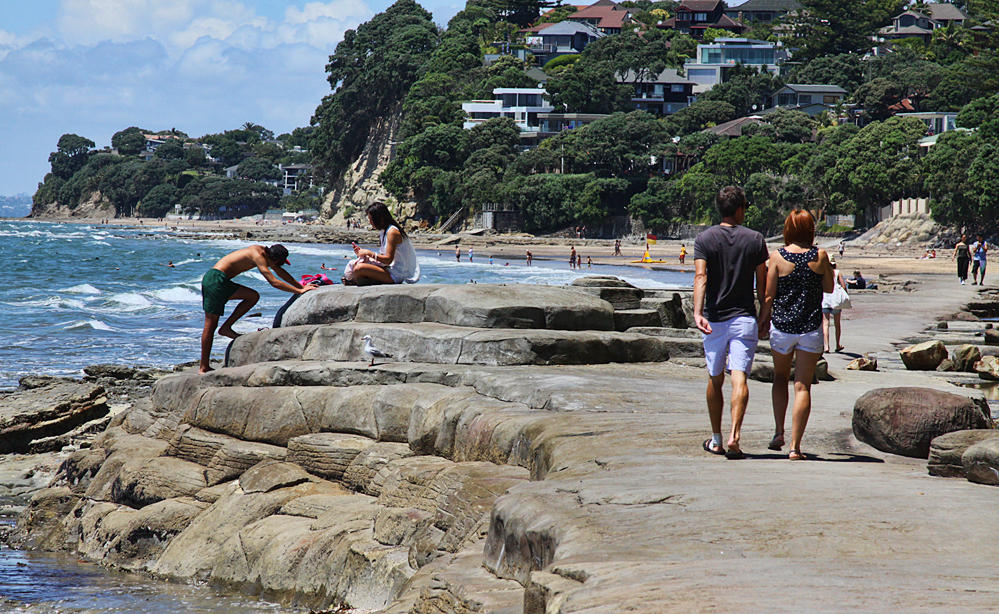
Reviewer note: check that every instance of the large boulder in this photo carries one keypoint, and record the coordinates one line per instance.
(965, 356)
(864, 363)
(46, 407)
(905, 420)
(925, 356)
(988, 367)
(981, 462)
(946, 451)
(991, 336)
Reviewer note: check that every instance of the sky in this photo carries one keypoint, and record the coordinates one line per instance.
(94, 67)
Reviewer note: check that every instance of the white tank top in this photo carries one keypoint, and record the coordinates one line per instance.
(405, 269)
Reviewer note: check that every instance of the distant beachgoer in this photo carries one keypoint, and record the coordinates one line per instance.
(963, 256)
(797, 276)
(490, 258)
(326, 268)
(617, 247)
(394, 263)
(589, 262)
(831, 310)
(857, 282)
(683, 253)
(572, 256)
(217, 288)
(728, 260)
(842, 248)
(471, 255)
(457, 253)
(979, 258)
(530, 257)
(170, 264)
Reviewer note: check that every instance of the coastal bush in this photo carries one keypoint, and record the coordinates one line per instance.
(159, 201)
(129, 141)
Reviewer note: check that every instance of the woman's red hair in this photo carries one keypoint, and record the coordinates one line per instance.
(799, 227)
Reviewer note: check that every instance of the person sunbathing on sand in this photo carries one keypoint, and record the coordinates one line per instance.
(217, 289)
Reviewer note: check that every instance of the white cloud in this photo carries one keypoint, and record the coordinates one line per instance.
(198, 65)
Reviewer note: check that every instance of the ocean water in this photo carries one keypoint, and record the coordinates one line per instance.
(77, 294)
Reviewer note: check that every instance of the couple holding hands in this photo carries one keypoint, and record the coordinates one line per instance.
(729, 261)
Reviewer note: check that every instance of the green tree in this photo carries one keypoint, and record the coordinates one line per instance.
(258, 169)
(370, 72)
(954, 197)
(880, 163)
(700, 115)
(173, 149)
(129, 141)
(745, 91)
(588, 87)
(845, 70)
(742, 157)
(877, 96)
(72, 152)
(982, 114)
(159, 200)
(829, 27)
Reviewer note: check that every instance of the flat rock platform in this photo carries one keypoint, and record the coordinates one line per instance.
(521, 454)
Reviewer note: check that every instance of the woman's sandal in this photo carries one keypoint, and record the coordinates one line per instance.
(795, 455)
(776, 443)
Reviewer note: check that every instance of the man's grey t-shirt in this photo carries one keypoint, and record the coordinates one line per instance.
(732, 254)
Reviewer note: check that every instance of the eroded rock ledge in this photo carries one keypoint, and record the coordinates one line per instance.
(302, 475)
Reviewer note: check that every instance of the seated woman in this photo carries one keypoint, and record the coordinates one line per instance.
(395, 262)
(857, 282)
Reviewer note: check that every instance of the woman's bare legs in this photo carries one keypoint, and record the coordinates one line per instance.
(804, 372)
(839, 329)
(782, 372)
(825, 332)
(366, 270)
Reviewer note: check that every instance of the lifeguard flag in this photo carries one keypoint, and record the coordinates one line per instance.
(650, 239)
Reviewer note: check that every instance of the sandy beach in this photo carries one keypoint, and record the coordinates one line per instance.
(872, 261)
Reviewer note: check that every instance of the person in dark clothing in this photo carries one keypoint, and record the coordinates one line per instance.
(728, 260)
(798, 274)
(963, 256)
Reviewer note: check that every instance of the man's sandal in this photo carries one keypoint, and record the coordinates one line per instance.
(795, 455)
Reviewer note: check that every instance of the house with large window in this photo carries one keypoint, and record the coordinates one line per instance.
(606, 16)
(808, 98)
(661, 94)
(563, 38)
(715, 60)
(920, 23)
(521, 104)
(762, 11)
(693, 17)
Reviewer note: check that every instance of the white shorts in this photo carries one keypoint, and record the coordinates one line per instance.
(785, 343)
(731, 345)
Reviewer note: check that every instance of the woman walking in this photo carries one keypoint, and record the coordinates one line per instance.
(798, 274)
(963, 256)
(394, 263)
(832, 308)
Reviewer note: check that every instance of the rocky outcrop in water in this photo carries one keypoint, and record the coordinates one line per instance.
(300, 474)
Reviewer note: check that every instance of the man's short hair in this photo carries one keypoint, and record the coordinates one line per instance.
(729, 199)
(278, 254)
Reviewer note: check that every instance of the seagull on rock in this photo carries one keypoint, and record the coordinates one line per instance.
(372, 351)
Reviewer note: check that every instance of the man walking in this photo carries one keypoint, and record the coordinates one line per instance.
(728, 259)
(217, 289)
(979, 258)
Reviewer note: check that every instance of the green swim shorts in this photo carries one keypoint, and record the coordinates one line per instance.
(216, 289)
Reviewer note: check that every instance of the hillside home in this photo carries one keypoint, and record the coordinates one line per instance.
(808, 98)
(521, 104)
(605, 15)
(921, 23)
(762, 11)
(563, 38)
(661, 94)
(553, 123)
(296, 177)
(693, 17)
(714, 60)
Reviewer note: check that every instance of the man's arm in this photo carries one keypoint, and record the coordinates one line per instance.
(260, 259)
(766, 290)
(700, 288)
(285, 275)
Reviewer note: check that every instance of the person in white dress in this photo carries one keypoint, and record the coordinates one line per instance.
(394, 263)
(831, 308)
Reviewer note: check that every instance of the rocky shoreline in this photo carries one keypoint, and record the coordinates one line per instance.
(528, 449)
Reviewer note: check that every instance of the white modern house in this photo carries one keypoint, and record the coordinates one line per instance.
(714, 60)
(521, 104)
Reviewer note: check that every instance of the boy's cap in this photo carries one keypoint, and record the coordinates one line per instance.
(278, 253)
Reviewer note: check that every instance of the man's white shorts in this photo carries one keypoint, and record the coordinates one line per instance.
(731, 345)
(785, 343)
